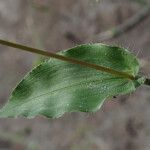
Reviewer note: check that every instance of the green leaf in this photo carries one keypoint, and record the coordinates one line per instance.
(55, 87)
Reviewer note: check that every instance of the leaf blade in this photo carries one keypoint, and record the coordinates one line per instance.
(56, 87)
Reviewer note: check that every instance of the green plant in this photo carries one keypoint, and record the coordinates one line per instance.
(78, 79)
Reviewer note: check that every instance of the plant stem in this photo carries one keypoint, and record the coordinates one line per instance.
(68, 59)
(126, 26)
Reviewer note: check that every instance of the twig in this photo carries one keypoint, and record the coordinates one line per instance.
(126, 26)
(68, 59)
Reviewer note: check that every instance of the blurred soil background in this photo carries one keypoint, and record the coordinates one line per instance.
(123, 123)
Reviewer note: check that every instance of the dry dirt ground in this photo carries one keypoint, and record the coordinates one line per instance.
(122, 123)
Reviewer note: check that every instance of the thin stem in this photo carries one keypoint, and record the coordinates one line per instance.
(68, 59)
(125, 26)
